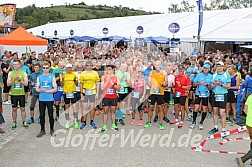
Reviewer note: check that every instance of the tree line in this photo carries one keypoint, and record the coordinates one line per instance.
(185, 6)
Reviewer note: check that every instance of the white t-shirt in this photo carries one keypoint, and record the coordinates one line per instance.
(171, 79)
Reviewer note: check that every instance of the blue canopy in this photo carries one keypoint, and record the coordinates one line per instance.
(158, 40)
(118, 39)
(82, 39)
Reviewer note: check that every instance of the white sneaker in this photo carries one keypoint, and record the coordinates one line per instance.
(201, 127)
(6, 103)
(192, 126)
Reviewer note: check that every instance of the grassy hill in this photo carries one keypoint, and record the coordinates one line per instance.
(32, 16)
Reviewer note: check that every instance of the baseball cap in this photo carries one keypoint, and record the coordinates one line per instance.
(69, 65)
(220, 63)
(181, 66)
(206, 66)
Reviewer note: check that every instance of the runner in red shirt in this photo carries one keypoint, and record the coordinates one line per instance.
(182, 85)
(109, 84)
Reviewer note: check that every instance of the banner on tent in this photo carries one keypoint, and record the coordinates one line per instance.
(7, 14)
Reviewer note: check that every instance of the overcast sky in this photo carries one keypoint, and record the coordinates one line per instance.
(147, 5)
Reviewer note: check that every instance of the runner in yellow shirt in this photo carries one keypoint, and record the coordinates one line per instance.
(69, 80)
(90, 87)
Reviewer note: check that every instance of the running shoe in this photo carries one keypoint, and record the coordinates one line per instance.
(140, 122)
(132, 122)
(114, 127)
(201, 127)
(148, 124)
(93, 125)
(193, 125)
(214, 130)
(52, 133)
(180, 125)
(83, 125)
(14, 125)
(166, 120)
(124, 116)
(30, 121)
(6, 103)
(189, 118)
(25, 124)
(76, 125)
(161, 126)
(104, 129)
(41, 133)
(155, 119)
(174, 122)
(67, 125)
(121, 121)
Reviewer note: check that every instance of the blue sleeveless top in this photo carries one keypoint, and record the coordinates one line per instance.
(46, 83)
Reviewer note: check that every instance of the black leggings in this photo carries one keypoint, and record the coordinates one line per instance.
(42, 107)
(136, 104)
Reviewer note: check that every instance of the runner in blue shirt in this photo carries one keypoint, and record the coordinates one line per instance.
(202, 82)
(46, 86)
(35, 95)
(220, 85)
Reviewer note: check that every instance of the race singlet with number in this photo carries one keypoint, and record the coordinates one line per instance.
(70, 95)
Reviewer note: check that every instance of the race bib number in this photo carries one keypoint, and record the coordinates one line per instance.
(156, 91)
(45, 84)
(60, 89)
(17, 86)
(88, 92)
(178, 94)
(77, 89)
(70, 95)
(202, 94)
(219, 98)
(136, 95)
(122, 90)
(110, 91)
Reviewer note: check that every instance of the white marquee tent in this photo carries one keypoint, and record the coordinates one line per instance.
(221, 25)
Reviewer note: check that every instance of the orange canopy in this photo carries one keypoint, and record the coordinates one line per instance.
(21, 37)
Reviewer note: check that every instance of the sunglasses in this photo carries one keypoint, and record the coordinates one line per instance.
(45, 68)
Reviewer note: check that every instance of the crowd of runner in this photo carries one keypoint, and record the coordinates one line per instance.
(124, 81)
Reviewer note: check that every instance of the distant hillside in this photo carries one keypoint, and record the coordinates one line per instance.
(32, 16)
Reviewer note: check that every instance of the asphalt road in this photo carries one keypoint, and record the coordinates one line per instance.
(131, 146)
